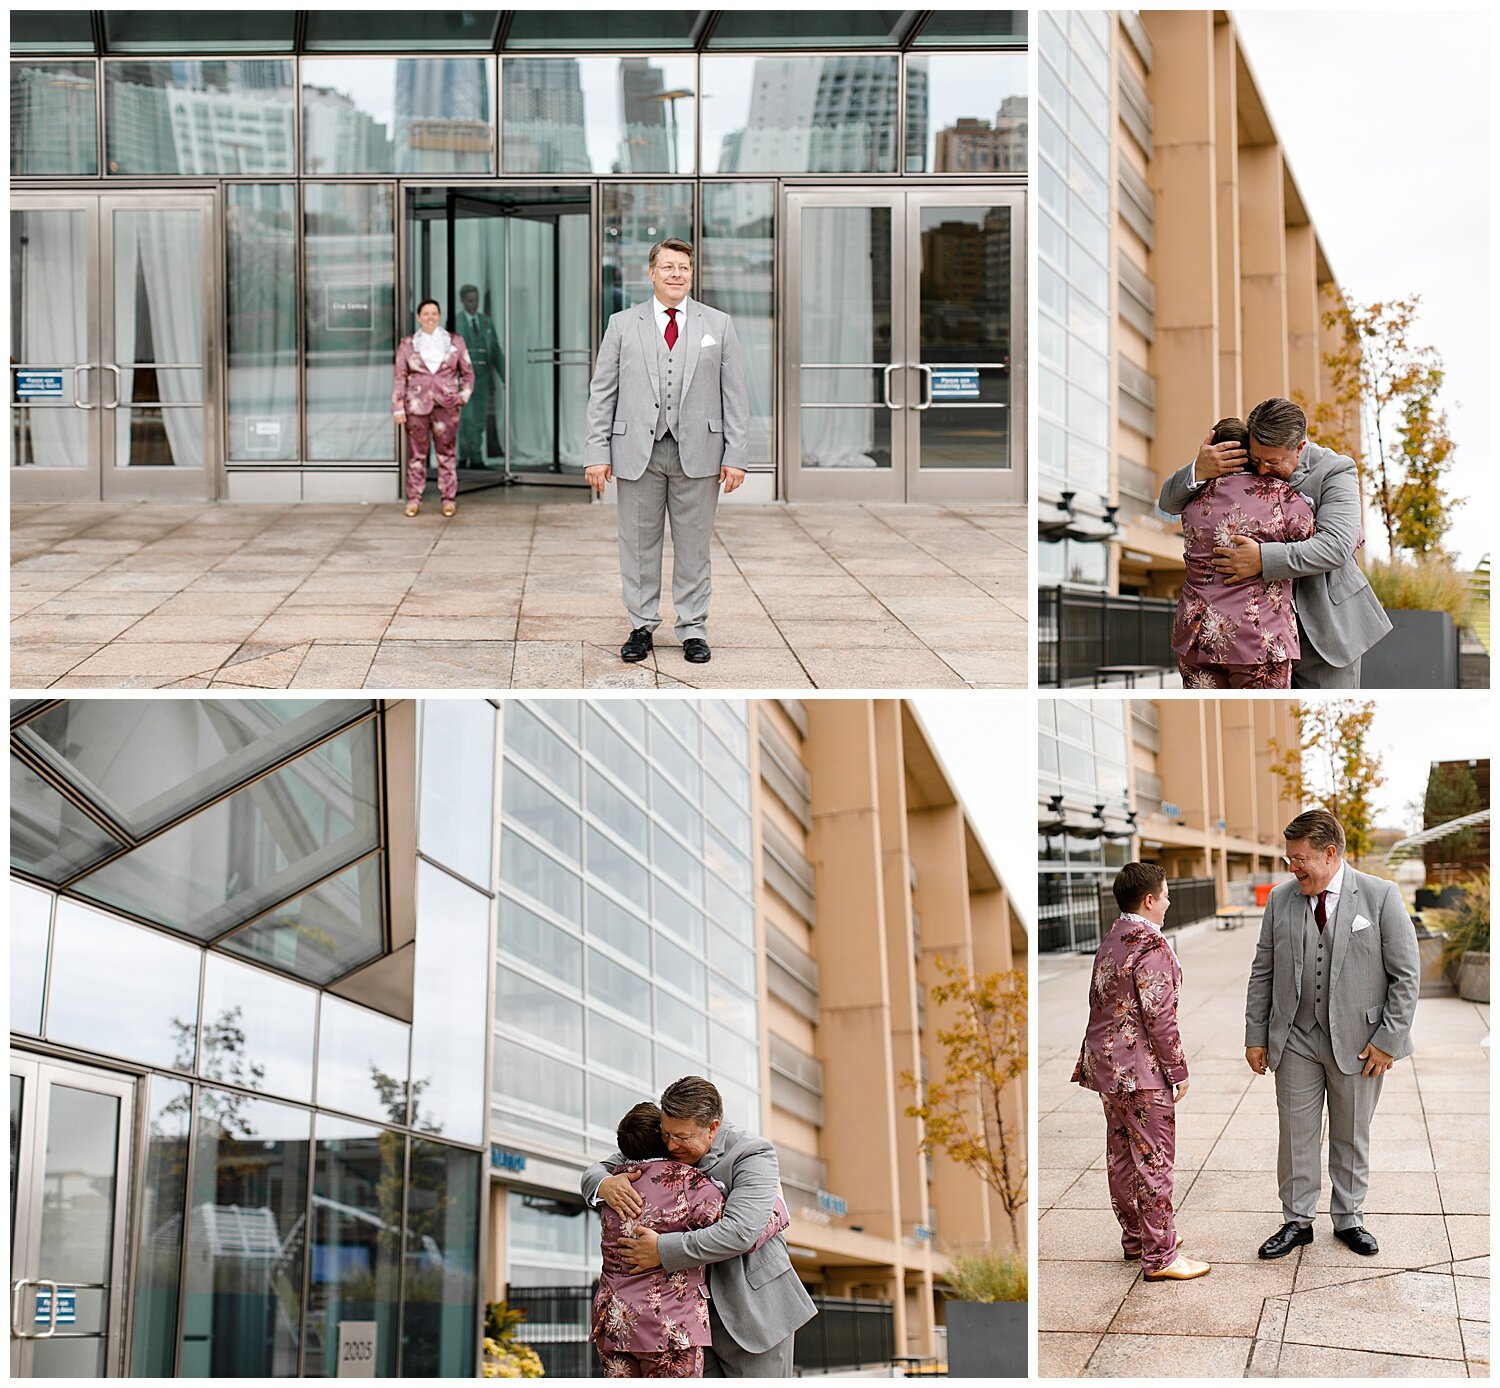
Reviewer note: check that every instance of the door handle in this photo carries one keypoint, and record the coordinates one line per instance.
(82, 404)
(17, 1319)
(52, 1301)
(925, 404)
(110, 366)
(885, 387)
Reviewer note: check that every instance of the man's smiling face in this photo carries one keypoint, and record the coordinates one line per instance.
(1274, 462)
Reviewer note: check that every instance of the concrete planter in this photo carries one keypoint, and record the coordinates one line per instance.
(1472, 977)
(1419, 652)
(986, 1339)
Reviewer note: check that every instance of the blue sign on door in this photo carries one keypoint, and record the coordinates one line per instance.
(67, 1307)
(39, 385)
(958, 383)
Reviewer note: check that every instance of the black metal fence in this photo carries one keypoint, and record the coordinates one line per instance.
(846, 1334)
(1080, 631)
(557, 1328)
(1075, 913)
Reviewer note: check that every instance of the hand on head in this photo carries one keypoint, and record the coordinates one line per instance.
(1217, 459)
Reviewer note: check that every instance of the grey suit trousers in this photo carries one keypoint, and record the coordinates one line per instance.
(1311, 671)
(725, 1359)
(1308, 1073)
(665, 492)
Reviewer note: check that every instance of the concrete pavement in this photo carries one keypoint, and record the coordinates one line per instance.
(1419, 1308)
(515, 595)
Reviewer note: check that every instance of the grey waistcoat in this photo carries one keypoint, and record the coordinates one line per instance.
(1312, 1009)
(669, 367)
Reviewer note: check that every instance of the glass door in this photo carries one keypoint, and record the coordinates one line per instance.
(903, 323)
(112, 380)
(511, 269)
(70, 1136)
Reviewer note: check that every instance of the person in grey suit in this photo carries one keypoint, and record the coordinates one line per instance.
(668, 415)
(478, 332)
(1338, 615)
(1329, 1009)
(756, 1299)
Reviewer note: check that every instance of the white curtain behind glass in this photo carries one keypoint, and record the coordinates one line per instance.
(49, 258)
(532, 331)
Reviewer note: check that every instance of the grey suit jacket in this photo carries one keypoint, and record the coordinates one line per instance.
(625, 394)
(759, 1297)
(1336, 606)
(1374, 974)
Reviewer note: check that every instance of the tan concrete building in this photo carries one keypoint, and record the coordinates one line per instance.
(871, 873)
(1210, 291)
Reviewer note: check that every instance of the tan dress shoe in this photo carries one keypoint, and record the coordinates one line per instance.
(1136, 1257)
(412, 507)
(449, 508)
(1180, 1269)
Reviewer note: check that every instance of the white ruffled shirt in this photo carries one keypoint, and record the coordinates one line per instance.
(432, 347)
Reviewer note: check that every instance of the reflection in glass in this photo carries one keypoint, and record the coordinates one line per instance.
(201, 31)
(256, 847)
(441, 1284)
(966, 113)
(623, 1048)
(622, 993)
(30, 923)
(971, 27)
(524, 935)
(538, 1012)
(539, 812)
(49, 837)
(540, 877)
(621, 814)
(615, 926)
(845, 311)
(458, 784)
(121, 990)
(158, 1266)
(683, 1026)
(599, 115)
(635, 217)
(544, 749)
(230, 118)
(358, 1182)
(809, 28)
(324, 933)
(51, 31)
(241, 1314)
(583, 29)
(362, 1061)
(527, 1077)
(448, 1005)
(257, 1030)
(146, 761)
(260, 231)
(397, 115)
(614, 867)
(609, 1102)
(53, 126)
(833, 114)
(350, 243)
(678, 915)
(418, 30)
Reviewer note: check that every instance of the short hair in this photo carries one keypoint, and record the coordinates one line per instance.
(672, 243)
(467, 289)
(1318, 827)
(1232, 430)
(1135, 882)
(639, 1134)
(1277, 423)
(692, 1097)
(424, 304)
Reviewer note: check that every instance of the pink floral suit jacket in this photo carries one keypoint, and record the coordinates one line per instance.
(416, 390)
(1132, 1041)
(657, 1311)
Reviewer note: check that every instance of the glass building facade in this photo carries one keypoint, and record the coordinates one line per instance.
(313, 1002)
(222, 224)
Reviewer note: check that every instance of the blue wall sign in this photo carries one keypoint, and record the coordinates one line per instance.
(503, 1160)
(39, 385)
(832, 1204)
(959, 383)
(67, 1307)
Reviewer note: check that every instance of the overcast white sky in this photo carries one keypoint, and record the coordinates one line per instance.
(1412, 733)
(1385, 120)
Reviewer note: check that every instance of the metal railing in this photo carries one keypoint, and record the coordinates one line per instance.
(1079, 632)
(1075, 913)
(557, 1327)
(846, 1334)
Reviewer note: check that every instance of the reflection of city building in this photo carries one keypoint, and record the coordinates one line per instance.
(544, 116)
(51, 118)
(443, 105)
(1152, 328)
(972, 145)
(1185, 785)
(647, 118)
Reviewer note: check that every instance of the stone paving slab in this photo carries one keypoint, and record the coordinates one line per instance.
(509, 594)
(1417, 1309)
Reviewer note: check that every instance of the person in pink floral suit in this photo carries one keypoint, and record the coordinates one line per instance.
(433, 382)
(654, 1324)
(1238, 634)
(1132, 1057)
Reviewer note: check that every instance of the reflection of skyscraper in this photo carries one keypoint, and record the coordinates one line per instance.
(436, 99)
(544, 115)
(51, 119)
(971, 145)
(646, 142)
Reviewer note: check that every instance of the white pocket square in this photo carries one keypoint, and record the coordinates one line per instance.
(708, 340)
(1360, 923)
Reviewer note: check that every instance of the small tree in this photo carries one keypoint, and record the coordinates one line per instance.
(1333, 766)
(985, 1050)
(1424, 511)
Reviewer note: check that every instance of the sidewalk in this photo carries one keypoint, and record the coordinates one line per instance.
(1418, 1308)
(507, 595)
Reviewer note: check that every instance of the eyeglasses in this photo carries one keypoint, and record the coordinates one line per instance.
(1297, 864)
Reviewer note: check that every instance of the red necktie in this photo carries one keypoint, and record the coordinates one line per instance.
(671, 328)
(1320, 911)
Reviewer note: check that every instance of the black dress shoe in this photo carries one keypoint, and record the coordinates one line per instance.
(637, 645)
(695, 651)
(1360, 1240)
(1291, 1235)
